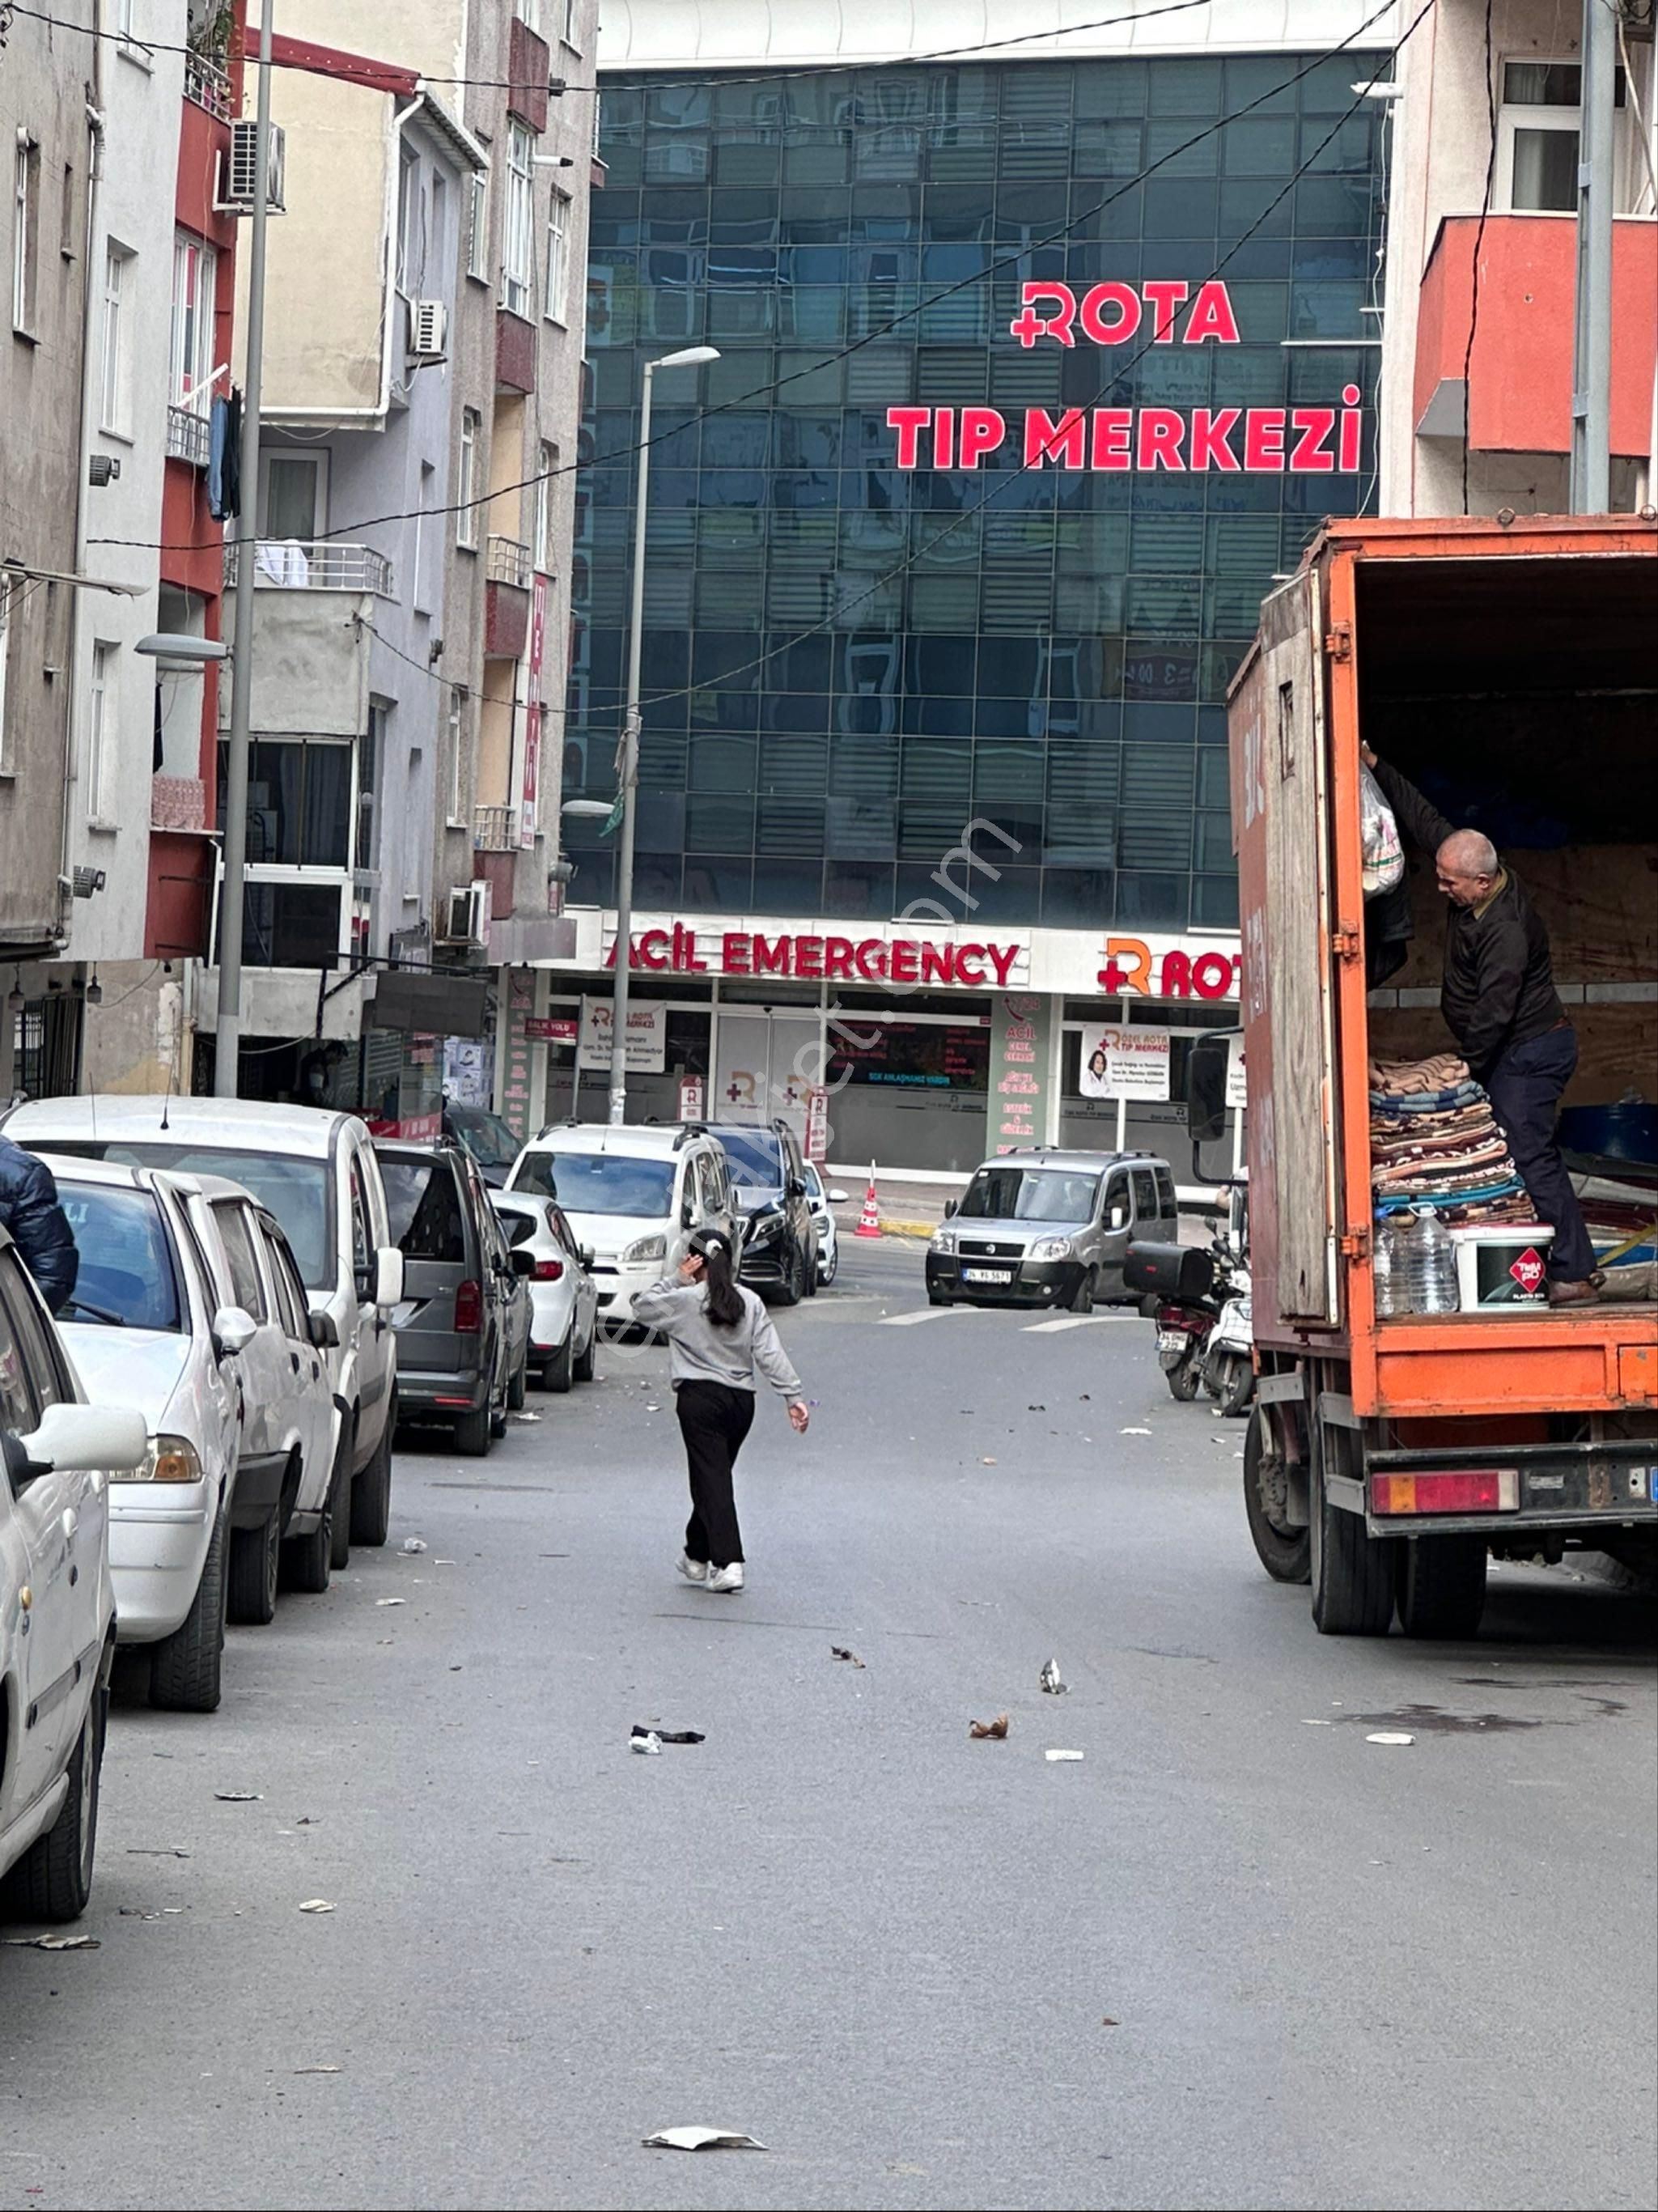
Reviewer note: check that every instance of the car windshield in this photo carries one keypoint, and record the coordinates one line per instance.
(422, 1199)
(753, 1154)
(599, 1182)
(295, 1191)
(127, 1278)
(485, 1135)
(1009, 1193)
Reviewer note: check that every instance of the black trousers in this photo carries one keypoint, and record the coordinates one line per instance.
(1525, 1087)
(713, 1419)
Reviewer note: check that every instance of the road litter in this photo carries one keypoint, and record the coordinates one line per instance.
(992, 1731)
(1052, 1681)
(1133, 1432)
(840, 1651)
(316, 1905)
(670, 1736)
(319, 2070)
(391, 1600)
(52, 1943)
(1107, 2021)
(239, 1796)
(307, 1820)
(987, 1462)
(413, 1544)
(151, 1852)
(700, 2139)
(1053, 1757)
(1035, 1409)
(652, 1409)
(526, 1416)
(650, 1743)
(136, 1912)
(1389, 1736)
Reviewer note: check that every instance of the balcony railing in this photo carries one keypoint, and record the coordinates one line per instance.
(508, 563)
(494, 829)
(189, 437)
(295, 564)
(207, 84)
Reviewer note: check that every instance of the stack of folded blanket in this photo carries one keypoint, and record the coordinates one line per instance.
(1435, 1143)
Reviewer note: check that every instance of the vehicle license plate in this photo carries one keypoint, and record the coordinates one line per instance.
(1652, 1483)
(986, 1274)
(1172, 1339)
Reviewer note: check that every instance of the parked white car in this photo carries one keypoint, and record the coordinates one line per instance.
(820, 1198)
(563, 1298)
(316, 1172)
(57, 1603)
(148, 1326)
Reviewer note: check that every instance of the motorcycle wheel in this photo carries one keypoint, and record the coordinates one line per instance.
(1237, 1385)
(1183, 1379)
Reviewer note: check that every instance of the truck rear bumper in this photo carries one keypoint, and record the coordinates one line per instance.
(1558, 1486)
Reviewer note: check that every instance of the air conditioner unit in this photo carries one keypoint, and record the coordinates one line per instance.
(467, 916)
(238, 176)
(428, 329)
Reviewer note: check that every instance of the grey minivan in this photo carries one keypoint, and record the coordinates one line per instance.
(1036, 1227)
(464, 1323)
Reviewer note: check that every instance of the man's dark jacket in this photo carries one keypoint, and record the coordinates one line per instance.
(29, 1209)
(1498, 988)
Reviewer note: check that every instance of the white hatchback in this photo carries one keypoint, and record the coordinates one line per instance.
(563, 1301)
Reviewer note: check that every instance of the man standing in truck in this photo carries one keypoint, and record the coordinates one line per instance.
(1500, 1004)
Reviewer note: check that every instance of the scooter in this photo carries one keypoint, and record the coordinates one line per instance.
(1228, 1372)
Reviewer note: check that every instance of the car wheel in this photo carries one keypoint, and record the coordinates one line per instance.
(185, 1668)
(584, 1360)
(936, 1297)
(827, 1275)
(52, 1881)
(559, 1371)
(473, 1434)
(371, 1494)
(1082, 1299)
(255, 1560)
(792, 1287)
(307, 1560)
(517, 1387)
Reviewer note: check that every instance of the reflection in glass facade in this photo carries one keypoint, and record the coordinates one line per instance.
(1056, 665)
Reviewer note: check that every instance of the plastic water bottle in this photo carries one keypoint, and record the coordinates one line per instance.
(1432, 1269)
(1390, 1267)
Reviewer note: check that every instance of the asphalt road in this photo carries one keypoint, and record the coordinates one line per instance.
(1239, 1955)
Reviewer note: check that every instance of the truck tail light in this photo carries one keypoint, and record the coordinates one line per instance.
(1477, 1490)
(549, 1271)
(469, 1307)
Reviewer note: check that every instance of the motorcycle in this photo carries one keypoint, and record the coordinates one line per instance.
(1177, 1286)
(1227, 1365)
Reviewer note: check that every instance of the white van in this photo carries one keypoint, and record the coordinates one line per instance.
(315, 1171)
(633, 1197)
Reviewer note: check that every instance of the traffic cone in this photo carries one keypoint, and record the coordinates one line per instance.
(869, 1221)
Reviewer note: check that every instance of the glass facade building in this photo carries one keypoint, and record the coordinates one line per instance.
(1052, 653)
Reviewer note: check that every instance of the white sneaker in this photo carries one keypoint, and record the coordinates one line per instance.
(694, 1570)
(726, 1578)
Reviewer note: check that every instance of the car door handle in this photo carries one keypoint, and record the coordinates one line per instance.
(293, 1362)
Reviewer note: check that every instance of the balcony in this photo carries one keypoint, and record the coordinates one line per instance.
(189, 437)
(506, 598)
(494, 830)
(293, 564)
(508, 562)
(1521, 373)
(207, 84)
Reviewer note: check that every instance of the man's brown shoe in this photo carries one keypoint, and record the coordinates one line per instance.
(1573, 1294)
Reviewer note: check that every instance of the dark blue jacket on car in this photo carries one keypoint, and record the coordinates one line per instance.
(29, 1209)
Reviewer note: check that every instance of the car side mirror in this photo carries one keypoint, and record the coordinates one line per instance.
(78, 1440)
(795, 1187)
(234, 1330)
(1119, 1217)
(523, 1264)
(951, 1206)
(388, 1276)
(324, 1332)
(1205, 1088)
(839, 1198)
(687, 1219)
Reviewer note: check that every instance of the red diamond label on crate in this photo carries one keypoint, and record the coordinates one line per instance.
(1527, 1272)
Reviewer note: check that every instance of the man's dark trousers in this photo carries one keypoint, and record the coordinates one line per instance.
(713, 1419)
(1525, 1086)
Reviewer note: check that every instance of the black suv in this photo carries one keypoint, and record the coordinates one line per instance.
(768, 1184)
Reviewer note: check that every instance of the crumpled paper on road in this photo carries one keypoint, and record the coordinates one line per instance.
(700, 2139)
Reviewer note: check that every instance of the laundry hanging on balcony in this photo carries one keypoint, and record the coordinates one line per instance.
(224, 467)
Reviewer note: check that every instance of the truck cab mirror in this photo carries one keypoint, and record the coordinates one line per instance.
(1205, 1089)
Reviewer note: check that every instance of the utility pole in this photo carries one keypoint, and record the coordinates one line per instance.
(1591, 367)
(228, 1028)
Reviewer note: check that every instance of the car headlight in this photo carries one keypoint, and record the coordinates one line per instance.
(943, 1240)
(643, 1249)
(169, 1459)
(1051, 1248)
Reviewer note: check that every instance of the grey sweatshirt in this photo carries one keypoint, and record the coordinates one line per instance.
(701, 1352)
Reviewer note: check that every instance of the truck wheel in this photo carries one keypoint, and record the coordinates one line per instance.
(185, 1668)
(1441, 1586)
(1352, 1572)
(371, 1494)
(1238, 1386)
(1283, 1550)
(1183, 1378)
(52, 1881)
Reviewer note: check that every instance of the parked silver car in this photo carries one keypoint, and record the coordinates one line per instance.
(1036, 1227)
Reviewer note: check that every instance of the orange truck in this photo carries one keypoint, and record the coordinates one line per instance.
(1514, 659)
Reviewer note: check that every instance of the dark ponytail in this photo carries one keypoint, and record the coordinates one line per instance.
(725, 1300)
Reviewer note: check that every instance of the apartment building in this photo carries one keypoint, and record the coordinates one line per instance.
(1476, 401)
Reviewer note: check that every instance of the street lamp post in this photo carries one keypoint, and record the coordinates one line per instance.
(627, 751)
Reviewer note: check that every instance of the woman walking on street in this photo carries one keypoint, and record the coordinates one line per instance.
(718, 1335)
